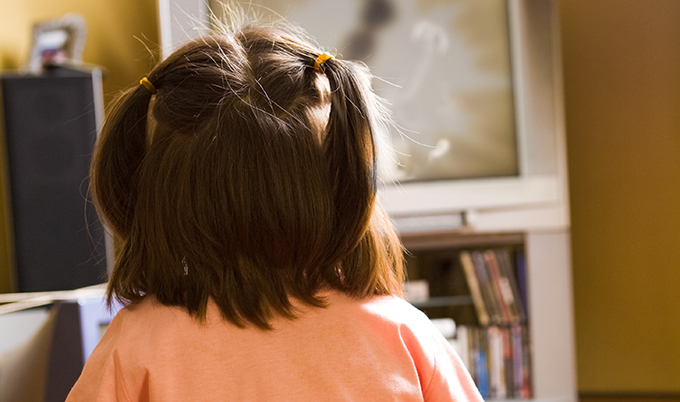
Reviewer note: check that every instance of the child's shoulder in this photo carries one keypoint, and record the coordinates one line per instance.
(390, 319)
(388, 309)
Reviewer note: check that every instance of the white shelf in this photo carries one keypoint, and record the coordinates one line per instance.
(551, 329)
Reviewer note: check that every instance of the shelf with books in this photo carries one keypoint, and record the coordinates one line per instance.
(452, 282)
(478, 281)
(517, 341)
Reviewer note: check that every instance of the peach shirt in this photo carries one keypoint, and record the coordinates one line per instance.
(381, 349)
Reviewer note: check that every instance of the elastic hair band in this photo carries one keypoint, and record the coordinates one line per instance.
(148, 85)
(321, 59)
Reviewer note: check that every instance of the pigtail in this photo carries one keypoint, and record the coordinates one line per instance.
(119, 152)
(371, 259)
(350, 152)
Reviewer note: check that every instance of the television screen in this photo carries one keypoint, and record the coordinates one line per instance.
(443, 67)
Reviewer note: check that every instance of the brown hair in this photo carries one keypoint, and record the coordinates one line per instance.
(249, 178)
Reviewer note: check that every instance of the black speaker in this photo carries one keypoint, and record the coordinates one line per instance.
(50, 128)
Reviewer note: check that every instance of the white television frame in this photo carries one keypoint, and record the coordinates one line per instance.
(538, 197)
(180, 21)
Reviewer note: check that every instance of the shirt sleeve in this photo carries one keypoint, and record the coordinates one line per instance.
(450, 378)
(442, 374)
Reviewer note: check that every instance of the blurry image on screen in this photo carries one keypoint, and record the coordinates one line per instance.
(444, 68)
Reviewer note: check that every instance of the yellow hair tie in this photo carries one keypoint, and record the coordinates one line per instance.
(148, 85)
(320, 60)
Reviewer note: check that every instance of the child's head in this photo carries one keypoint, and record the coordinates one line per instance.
(242, 172)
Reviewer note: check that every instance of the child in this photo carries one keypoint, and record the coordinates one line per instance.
(239, 179)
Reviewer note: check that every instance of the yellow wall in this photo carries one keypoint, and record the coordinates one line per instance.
(622, 93)
(112, 29)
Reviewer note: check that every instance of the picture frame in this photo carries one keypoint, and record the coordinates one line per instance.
(57, 42)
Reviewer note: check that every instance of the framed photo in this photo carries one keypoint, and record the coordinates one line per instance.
(57, 42)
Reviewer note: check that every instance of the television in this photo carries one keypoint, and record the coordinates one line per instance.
(475, 88)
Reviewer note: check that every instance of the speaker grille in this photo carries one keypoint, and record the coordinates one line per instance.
(50, 128)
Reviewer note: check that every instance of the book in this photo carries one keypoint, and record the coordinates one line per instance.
(473, 285)
(526, 390)
(508, 363)
(502, 293)
(518, 361)
(487, 288)
(462, 345)
(508, 271)
(508, 286)
(521, 275)
(496, 369)
(481, 375)
(473, 342)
